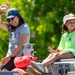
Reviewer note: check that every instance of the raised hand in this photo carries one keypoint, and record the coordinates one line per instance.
(4, 7)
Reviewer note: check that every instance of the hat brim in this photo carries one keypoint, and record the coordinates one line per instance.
(10, 17)
(68, 19)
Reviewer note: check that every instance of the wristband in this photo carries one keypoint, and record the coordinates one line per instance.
(11, 57)
(58, 50)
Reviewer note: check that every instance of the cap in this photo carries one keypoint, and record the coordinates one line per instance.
(68, 17)
(11, 13)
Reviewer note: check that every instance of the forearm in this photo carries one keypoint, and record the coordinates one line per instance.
(12, 55)
(0, 19)
(3, 8)
(17, 50)
(3, 25)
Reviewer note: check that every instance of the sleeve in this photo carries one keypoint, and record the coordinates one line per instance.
(25, 29)
(61, 45)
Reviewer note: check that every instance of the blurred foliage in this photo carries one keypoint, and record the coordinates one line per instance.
(45, 20)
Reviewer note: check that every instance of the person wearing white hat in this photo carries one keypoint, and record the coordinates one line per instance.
(66, 47)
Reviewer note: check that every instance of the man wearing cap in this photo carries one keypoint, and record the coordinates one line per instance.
(19, 34)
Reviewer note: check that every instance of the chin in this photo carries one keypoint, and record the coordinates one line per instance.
(15, 25)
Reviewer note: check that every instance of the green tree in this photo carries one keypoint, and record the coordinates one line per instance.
(45, 19)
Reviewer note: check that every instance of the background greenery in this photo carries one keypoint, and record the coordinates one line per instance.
(45, 18)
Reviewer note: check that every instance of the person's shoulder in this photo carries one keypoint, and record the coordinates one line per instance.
(24, 25)
(63, 35)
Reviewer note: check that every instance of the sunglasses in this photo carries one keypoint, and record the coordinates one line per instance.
(8, 20)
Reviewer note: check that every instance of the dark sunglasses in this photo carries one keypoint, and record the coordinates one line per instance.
(8, 20)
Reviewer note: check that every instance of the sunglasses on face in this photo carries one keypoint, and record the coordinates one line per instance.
(10, 19)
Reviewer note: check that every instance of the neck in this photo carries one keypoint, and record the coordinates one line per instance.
(71, 30)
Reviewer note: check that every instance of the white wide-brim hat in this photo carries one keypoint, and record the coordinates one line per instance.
(68, 17)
